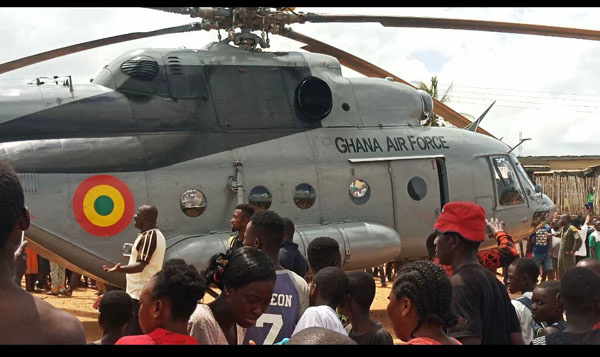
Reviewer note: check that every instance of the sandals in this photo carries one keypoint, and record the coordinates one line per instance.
(52, 293)
(66, 292)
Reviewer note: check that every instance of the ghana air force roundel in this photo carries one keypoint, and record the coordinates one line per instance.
(103, 205)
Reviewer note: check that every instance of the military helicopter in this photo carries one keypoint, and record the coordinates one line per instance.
(195, 132)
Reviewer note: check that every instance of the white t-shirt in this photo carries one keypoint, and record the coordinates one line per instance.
(524, 315)
(582, 233)
(149, 247)
(320, 316)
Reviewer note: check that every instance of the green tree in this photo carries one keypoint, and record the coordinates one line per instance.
(432, 89)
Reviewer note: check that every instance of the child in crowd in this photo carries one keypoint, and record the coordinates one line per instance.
(116, 309)
(320, 336)
(590, 263)
(246, 278)
(523, 274)
(420, 305)
(361, 292)
(580, 296)
(538, 245)
(593, 264)
(327, 290)
(166, 303)
(546, 310)
(323, 252)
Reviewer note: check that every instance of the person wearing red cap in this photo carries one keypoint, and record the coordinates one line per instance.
(486, 315)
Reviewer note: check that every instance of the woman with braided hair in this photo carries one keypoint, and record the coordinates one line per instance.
(420, 305)
(246, 278)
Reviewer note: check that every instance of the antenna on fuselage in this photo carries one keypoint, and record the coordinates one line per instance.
(516, 146)
(474, 125)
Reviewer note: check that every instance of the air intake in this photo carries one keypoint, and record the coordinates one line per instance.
(29, 182)
(141, 67)
(174, 66)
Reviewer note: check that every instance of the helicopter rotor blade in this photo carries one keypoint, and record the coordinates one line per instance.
(459, 24)
(44, 56)
(175, 10)
(370, 70)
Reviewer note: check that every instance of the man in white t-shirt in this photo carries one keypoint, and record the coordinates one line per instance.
(147, 258)
(581, 253)
(327, 290)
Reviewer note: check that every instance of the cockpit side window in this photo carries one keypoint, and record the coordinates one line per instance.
(508, 187)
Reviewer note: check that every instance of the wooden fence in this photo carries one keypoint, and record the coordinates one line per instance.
(569, 189)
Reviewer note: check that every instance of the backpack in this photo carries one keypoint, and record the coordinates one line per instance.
(534, 325)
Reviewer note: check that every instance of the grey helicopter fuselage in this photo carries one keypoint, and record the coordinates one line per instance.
(165, 122)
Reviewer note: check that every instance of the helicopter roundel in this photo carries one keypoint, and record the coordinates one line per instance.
(103, 205)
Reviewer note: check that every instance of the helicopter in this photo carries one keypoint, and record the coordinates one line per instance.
(197, 131)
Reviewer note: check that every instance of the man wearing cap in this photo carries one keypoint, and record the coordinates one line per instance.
(481, 302)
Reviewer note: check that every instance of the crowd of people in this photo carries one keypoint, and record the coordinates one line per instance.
(268, 293)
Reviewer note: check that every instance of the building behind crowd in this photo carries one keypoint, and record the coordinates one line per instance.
(565, 179)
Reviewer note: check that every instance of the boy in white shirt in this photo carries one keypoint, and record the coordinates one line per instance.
(581, 253)
(327, 290)
(523, 274)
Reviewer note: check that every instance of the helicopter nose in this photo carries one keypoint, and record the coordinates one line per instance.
(543, 212)
(551, 206)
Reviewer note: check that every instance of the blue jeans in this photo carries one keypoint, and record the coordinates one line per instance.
(543, 260)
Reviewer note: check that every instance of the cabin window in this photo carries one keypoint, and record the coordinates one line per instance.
(304, 196)
(260, 197)
(359, 191)
(417, 188)
(193, 203)
(507, 185)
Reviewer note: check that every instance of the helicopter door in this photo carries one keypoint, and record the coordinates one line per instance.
(418, 199)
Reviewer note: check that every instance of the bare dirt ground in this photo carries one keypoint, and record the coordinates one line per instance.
(81, 304)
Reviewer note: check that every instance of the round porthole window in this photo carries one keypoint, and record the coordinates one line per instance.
(260, 197)
(417, 188)
(193, 203)
(304, 196)
(359, 191)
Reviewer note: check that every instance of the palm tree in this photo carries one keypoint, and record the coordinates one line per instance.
(434, 119)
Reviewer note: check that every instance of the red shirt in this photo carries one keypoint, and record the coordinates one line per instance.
(447, 268)
(427, 341)
(158, 337)
(597, 326)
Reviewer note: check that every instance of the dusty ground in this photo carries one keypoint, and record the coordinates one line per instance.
(81, 306)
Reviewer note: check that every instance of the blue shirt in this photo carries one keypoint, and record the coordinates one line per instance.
(540, 241)
(290, 299)
(290, 258)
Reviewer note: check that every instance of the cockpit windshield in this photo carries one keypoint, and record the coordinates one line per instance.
(507, 185)
(525, 180)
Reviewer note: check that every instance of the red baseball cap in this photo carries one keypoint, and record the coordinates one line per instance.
(464, 218)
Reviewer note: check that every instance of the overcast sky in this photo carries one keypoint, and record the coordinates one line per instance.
(546, 88)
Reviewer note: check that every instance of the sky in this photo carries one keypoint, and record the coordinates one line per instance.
(545, 88)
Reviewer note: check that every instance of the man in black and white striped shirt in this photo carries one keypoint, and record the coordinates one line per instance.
(147, 257)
